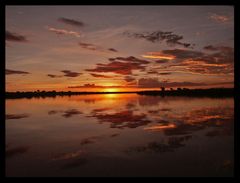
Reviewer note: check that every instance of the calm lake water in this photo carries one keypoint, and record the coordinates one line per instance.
(120, 135)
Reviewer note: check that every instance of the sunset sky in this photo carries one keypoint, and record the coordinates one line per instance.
(118, 48)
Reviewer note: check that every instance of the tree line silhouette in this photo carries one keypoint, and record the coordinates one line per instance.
(212, 92)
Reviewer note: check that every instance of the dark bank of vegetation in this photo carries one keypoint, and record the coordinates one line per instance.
(43, 94)
(213, 92)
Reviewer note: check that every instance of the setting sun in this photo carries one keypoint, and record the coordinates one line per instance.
(111, 90)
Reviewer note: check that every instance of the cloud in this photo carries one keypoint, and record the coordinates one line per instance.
(112, 49)
(88, 85)
(220, 18)
(94, 47)
(8, 71)
(89, 46)
(160, 36)
(53, 76)
(129, 59)
(10, 36)
(129, 78)
(71, 22)
(69, 73)
(217, 60)
(16, 116)
(155, 83)
(164, 73)
(64, 32)
(162, 61)
(100, 76)
(124, 68)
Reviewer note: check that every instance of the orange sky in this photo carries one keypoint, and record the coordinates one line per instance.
(80, 48)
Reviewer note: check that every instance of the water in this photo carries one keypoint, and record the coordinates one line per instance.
(119, 135)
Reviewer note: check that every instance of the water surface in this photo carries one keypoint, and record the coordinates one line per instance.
(119, 135)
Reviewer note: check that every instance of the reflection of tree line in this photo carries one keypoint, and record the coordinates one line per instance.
(213, 92)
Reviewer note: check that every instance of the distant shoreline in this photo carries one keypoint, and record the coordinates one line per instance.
(212, 92)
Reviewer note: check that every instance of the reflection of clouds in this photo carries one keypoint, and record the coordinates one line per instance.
(71, 112)
(75, 163)
(100, 110)
(90, 101)
(67, 156)
(68, 113)
(72, 159)
(169, 146)
(130, 106)
(159, 110)
(122, 119)
(16, 116)
(148, 101)
(220, 118)
(10, 152)
(160, 127)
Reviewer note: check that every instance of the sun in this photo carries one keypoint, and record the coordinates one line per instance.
(111, 90)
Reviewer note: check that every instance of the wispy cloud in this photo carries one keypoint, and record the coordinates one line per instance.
(93, 47)
(89, 85)
(8, 72)
(71, 22)
(100, 76)
(160, 36)
(124, 68)
(112, 49)
(64, 32)
(220, 18)
(53, 76)
(69, 73)
(16, 116)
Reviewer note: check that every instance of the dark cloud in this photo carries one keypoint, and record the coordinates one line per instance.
(100, 75)
(160, 36)
(53, 76)
(122, 119)
(88, 85)
(8, 71)
(129, 59)
(89, 46)
(69, 73)
(183, 54)
(94, 47)
(71, 22)
(10, 36)
(16, 116)
(220, 60)
(155, 83)
(162, 61)
(129, 78)
(112, 49)
(164, 73)
(124, 68)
